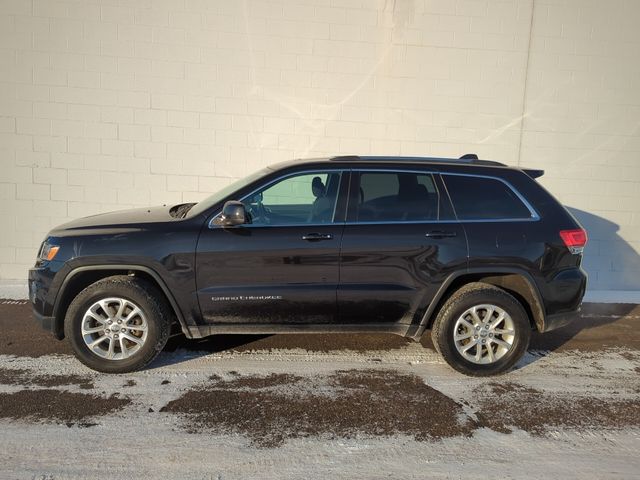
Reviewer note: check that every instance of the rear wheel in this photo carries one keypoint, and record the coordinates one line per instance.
(118, 324)
(481, 330)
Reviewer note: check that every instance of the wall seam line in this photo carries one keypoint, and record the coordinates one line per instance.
(526, 81)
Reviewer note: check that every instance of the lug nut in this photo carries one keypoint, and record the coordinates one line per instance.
(109, 322)
(119, 321)
(477, 327)
(491, 335)
(475, 336)
(483, 340)
(123, 329)
(115, 336)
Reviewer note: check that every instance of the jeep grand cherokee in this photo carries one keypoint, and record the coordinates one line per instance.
(475, 251)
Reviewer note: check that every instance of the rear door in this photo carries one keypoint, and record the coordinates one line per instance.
(399, 244)
(283, 266)
(502, 226)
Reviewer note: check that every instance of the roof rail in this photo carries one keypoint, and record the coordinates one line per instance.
(469, 158)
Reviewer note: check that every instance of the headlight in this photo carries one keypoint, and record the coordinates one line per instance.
(48, 252)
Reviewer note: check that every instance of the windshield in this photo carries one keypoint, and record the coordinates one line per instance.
(220, 195)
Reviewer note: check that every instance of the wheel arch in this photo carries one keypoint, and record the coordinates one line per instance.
(518, 283)
(81, 277)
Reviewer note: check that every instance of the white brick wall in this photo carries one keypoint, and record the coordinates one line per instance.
(153, 101)
(582, 126)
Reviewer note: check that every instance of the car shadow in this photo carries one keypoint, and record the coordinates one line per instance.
(599, 326)
(214, 343)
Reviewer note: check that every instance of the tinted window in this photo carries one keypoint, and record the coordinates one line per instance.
(477, 198)
(306, 198)
(396, 197)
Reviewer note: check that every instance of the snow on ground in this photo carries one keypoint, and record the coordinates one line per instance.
(577, 415)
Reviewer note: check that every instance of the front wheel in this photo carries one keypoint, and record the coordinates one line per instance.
(118, 324)
(481, 330)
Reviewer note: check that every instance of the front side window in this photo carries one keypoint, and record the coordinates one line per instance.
(308, 198)
(480, 198)
(396, 197)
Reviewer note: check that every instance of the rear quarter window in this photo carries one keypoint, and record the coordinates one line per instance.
(481, 198)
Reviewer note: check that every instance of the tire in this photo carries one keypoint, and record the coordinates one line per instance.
(134, 338)
(458, 318)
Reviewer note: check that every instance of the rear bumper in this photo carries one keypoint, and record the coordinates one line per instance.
(555, 321)
(563, 296)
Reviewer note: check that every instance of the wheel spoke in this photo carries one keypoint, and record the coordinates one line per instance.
(123, 349)
(502, 343)
(467, 323)
(478, 351)
(97, 342)
(502, 331)
(488, 314)
(140, 328)
(490, 353)
(474, 314)
(469, 345)
(105, 308)
(121, 308)
(88, 331)
(111, 349)
(132, 314)
(457, 337)
(132, 338)
(498, 321)
(95, 316)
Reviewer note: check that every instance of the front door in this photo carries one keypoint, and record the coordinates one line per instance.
(399, 244)
(283, 266)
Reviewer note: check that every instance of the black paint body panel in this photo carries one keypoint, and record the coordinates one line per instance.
(377, 276)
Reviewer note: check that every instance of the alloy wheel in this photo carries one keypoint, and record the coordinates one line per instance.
(114, 328)
(484, 334)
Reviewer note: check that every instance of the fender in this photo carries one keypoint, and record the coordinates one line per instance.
(128, 267)
(537, 306)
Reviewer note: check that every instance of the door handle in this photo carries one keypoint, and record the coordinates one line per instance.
(440, 234)
(314, 237)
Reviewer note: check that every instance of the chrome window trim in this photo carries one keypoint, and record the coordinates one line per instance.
(484, 220)
(534, 214)
(341, 171)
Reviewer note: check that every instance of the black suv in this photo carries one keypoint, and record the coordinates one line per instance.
(474, 250)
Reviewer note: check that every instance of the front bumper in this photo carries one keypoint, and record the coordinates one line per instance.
(40, 280)
(47, 323)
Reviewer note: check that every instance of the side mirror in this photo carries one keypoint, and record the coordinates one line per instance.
(233, 213)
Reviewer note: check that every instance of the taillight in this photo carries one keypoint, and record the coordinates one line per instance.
(575, 240)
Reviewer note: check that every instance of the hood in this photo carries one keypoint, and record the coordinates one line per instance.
(115, 222)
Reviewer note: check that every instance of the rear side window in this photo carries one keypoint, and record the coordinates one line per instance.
(479, 198)
(396, 197)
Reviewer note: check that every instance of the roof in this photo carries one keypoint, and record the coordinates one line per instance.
(469, 159)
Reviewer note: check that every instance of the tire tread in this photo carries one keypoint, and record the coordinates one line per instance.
(160, 313)
(467, 292)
